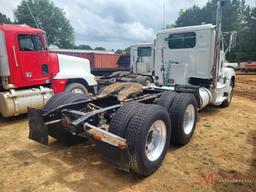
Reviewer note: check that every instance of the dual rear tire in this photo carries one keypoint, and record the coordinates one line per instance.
(148, 129)
(182, 109)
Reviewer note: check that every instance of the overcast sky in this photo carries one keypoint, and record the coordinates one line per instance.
(116, 23)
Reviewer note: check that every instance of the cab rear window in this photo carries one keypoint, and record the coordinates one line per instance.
(182, 40)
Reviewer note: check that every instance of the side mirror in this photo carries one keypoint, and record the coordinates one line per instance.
(232, 40)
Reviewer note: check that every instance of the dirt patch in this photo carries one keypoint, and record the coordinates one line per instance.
(220, 157)
(246, 86)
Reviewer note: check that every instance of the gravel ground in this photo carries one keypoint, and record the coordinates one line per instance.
(220, 157)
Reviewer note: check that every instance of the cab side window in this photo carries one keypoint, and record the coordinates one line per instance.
(26, 43)
(144, 51)
(38, 43)
(30, 42)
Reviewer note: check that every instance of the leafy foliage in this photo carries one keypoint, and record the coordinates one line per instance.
(100, 49)
(4, 19)
(44, 14)
(84, 47)
(126, 51)
(119, 51)
(237, 16)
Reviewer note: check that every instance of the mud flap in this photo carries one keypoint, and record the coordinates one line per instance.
(114, 155)
(38, 131)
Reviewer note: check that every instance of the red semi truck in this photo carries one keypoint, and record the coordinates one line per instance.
(30, 74)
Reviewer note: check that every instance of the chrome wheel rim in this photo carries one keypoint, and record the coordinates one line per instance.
(189, 119)
(147, 82)
(77, 91)
(156, 140)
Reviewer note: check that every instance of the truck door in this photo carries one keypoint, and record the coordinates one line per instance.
(144, 63)
(33, 57)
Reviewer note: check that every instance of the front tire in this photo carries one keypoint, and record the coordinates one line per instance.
(144, 80)
(76, 88)
(228, 101)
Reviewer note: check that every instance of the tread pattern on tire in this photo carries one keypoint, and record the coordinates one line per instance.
(55, 130)
(132, 135)
(61, 99)
(167, 99)
(137, 120)
(122, 117)
(176, 113)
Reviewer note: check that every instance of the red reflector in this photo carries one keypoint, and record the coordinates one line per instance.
(65, 122)
(121, 146)
(171, 81)
(97, 137)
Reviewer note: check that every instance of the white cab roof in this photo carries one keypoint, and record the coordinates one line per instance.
(187, 29)
(82, 51)
(141, 44)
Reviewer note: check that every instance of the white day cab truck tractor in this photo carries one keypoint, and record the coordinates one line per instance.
(30, 74)
(141, 66)
(133, 124)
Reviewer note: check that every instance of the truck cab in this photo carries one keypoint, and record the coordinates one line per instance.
(25, 57)
(185, 53)
(142, 58)
(30, 74)
(187, 56)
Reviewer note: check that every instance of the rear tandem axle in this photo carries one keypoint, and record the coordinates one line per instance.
(133, 125)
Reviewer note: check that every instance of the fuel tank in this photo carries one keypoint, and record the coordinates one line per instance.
(16, 102)
(205, 97)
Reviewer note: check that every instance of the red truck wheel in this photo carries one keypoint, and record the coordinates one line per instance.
(77, 88)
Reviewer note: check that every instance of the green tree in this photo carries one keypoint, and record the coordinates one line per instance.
(247, 43)
(233, 14)
(127, 51)
(4, 19)
(119, 51)
(100, 49)
(236, 17)
(84, 47)
(44, 14)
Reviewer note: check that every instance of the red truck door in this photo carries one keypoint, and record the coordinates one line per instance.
(33, 57)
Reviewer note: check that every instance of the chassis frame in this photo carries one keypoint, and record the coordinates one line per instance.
(88, 118)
